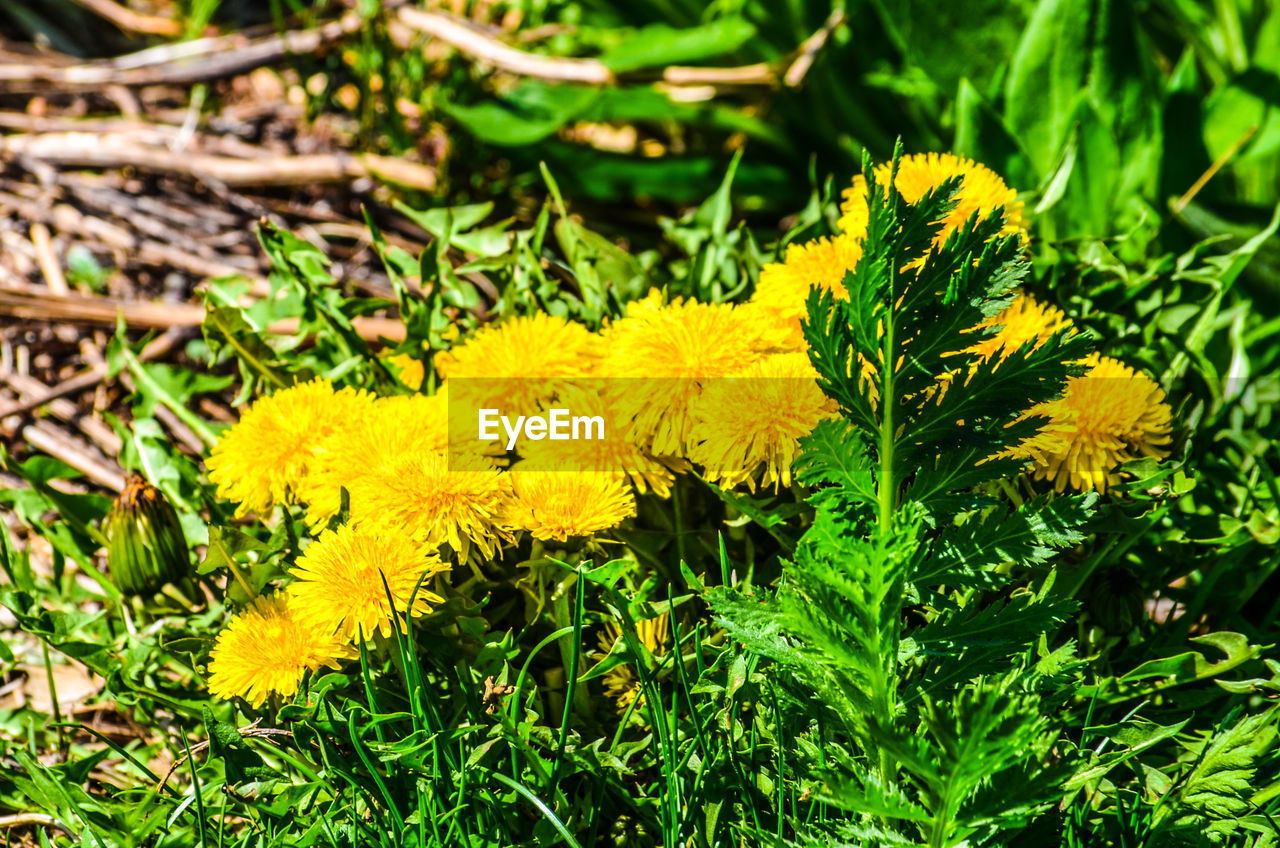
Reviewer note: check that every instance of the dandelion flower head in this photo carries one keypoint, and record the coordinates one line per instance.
(753, 422)
(267, 455)
(343, 579)
(622, 683)
(982, 191)
(521, 361)
(436, 498)
(558, 505)
(266, 649)
(659, 357)
(1109, 416)
(784, 286)
(617, 452)
(377, 436)
(1020, 322)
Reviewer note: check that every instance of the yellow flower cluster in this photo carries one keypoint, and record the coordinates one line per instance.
(725, 389)
(1105, 418)
(689, 381)
(348, 585)
(693, 382)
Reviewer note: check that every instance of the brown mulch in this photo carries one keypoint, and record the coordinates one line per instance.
(117, 160)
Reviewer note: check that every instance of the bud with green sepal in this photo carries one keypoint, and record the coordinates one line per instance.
(1115, 601)
(147, 550)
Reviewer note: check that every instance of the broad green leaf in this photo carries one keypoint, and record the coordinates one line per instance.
(658, 44)
(982, 135)
(527, 114)
(1045, 83)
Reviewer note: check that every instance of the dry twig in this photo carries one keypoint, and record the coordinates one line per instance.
(131, 21)
(91, 150)
(90, 377)
(33, 820)
(183, 63)
(49, 264)
(64, 410)
(470, 39)
(53, 440)
(475, 42)
(36, 305)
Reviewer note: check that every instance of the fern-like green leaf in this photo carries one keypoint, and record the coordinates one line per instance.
(966, 555)
(1220, 786)
(981, 763)
(938, 736)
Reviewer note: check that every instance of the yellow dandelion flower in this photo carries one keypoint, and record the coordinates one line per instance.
(659, 357)
(555, 505)
(407, 369)
(266, 456)
(982, 191)
(754, 422)
(1109, 416)
(266, 649)
(521, 361)
(617, 452)
(378, 435)
(622, 683)
(339, 584)
(1020, 322)
(435, 498)
(784, 286)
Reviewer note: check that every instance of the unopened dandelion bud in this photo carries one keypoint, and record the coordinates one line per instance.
(147, 548)
(1115, 602)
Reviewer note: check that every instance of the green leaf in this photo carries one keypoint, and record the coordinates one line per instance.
(227, 547)
(485, 242)
(833, 460)
(982, 135)
(658, 44)
(1133, 737)
(980, 757)
(1030, 534)
(1221, 785)
(764, 512)
(609, 573)
(1044, 87)
(1191, 665)
(525, 115)
(1010, 625)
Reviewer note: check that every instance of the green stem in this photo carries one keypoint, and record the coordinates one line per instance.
(580, 600)
(149, 386)
(53, 696)
(233, 566)
(887, 496)
(888, 484)
(678, 515)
